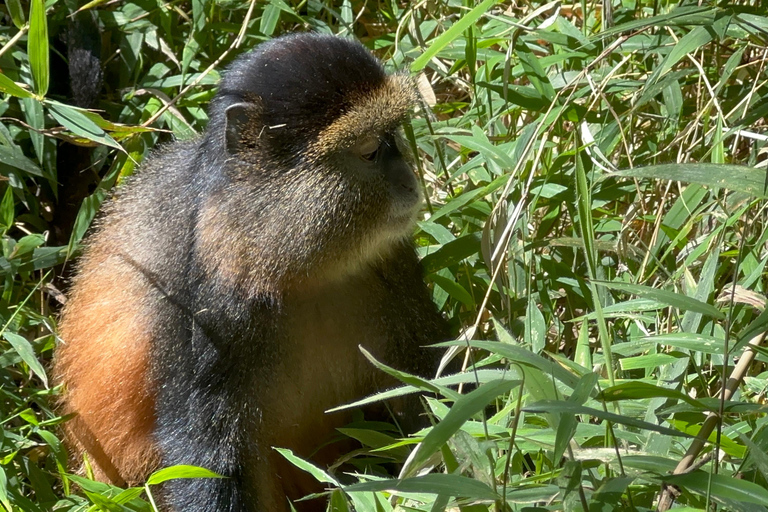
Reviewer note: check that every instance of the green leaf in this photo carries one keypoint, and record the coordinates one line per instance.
(440, 233)
(407, 378)
(756, 327)
(454, 289)
(269, 18)
(479, 142)
(459, 201)
(16, 12)
(452, 253)
(448, 380)
(91, 5)
(15, 158)
(26, 244)
(722, 486)
(640, 390)
(8, 86)
(535, 327)
(678, 16)
(649, 362)
(452, 33)
(463, 409)
(88, 210)
(756, 455)
(24, 349)
(689, 43)
(652, 463)
(74, 120)
(94, 486)
(57, 448)
(676, 300)
(434, 483)
(369, 437)
(732, 177)
(522, 356)
(550, 406)
(129, 495)
(628, 308)
(689, 341)
(320, 475)
(37, 46)
(35, 117)
(180, 471)
(4, 491)
(535, 72)
(105, 503)
(567, 425)
(523, 95)
(337, 502)
(7, 211)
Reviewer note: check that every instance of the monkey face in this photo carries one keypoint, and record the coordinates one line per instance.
(308, 125)
(380, 161)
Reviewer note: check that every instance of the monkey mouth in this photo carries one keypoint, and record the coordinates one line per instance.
(402, 215)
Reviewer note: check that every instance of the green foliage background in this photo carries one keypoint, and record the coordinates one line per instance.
(595, 229)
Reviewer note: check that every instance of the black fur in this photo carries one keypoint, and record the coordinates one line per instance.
(84, 55)
(302, 83)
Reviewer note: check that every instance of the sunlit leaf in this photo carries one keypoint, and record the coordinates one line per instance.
(37, 46)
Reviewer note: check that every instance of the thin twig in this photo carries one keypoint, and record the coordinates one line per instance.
(713, 418)
(236, 44)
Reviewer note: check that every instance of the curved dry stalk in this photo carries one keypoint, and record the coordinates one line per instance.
(731, 385)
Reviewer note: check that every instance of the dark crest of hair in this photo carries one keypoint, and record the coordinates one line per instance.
(295, 86)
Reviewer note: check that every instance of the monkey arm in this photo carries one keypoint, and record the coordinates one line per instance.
(203, 416)
(401, 299)
(405, 297)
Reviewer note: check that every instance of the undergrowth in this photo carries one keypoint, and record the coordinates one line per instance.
(595, 231)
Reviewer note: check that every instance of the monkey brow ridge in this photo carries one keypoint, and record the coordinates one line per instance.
(377, 111)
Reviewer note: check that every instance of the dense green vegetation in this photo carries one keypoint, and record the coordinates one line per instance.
(595, 231)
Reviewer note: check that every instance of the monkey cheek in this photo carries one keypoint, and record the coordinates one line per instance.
(404, 192)
(404, 204)
(406, 199)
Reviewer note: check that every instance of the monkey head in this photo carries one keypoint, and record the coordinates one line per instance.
(308, 130)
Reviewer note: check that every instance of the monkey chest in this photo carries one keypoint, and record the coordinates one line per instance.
(321, 365)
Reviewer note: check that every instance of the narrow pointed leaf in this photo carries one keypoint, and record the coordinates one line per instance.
(464, 408)
(677, 300)
(731, 177)
(452, 33)
(37, 46)
(8, 86)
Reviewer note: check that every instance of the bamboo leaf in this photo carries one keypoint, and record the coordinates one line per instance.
(16, 12)
(732, 177)
(37, 46)
(15, 158)
(320, 475)
(677, 300)
(180, 471)
(74, 120)
(722, 486)
(452, 33)
(464, 408)
(436, 483)
(8, 86)
(27, 354)
(552, 406)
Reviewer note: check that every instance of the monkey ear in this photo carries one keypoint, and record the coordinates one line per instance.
(241, 126)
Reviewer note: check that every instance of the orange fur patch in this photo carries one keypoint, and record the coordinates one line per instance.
(103, 363)
(372, 113)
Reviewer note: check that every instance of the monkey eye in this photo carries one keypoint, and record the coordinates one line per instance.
(368, 149)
